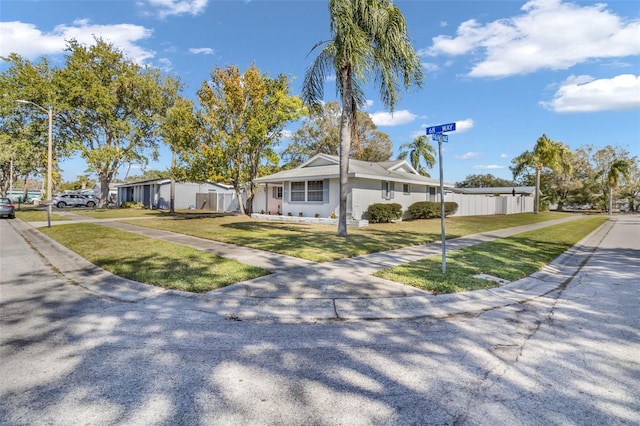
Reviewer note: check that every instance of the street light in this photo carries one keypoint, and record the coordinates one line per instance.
(49, 111)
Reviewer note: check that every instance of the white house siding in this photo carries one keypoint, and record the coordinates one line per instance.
(157, 194)
(368, 191)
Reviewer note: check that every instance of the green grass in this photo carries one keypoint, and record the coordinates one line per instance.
(36, 215)
(151, 261)
(509, 258)
(319, 242)
(98, 213)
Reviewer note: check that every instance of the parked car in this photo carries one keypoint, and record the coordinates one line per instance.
(6, 208)
(73, 200)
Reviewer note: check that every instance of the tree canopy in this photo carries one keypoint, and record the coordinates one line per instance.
(417, 151)
(112, 108)
(241, 119)
(484, 181)
(320, 134)
(546, 154)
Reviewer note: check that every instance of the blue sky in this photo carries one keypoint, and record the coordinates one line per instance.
(504, 71)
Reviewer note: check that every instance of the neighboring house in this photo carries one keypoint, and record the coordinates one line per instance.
(156, 194)
(313, 188)
(490, 201)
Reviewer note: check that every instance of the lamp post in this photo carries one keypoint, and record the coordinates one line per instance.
(49, 111)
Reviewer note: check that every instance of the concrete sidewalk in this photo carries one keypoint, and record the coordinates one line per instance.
(302, 289)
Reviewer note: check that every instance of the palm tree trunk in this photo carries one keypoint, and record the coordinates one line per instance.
(536, 206)
(345, 148)
(610, 200)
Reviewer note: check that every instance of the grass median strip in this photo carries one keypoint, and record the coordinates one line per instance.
(509, 258)
(151, 261)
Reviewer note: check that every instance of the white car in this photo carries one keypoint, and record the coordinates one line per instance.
(73, 200)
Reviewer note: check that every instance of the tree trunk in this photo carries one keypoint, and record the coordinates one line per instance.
(345, 148)
(536, 202)
(610, 200)
(172, 195)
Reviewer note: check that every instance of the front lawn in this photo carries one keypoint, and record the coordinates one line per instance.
(151, 261)
(37, 214)
(319, 242)
(509, 258)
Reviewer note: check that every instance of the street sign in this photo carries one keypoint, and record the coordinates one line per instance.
(441, 128)
(439, 137)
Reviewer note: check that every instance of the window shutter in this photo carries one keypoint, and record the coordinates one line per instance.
(285, 194)
(392, 189)
(384, 189)
(325, 191)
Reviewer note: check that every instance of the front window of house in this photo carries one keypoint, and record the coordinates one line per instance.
(298, 191)
(308, 191)
(314, 190)
(406, 189)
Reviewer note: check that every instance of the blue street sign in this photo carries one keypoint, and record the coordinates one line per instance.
(441, 128)
(439, 137)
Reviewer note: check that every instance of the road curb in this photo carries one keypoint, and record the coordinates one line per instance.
(79, 271)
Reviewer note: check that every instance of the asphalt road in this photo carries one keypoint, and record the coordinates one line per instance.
(72, 357)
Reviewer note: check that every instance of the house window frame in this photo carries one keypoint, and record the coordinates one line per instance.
(388, 188)
(406, 189)
(309, 192)
(276, 192)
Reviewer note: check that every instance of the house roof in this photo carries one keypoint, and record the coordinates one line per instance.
(521, 190)
(168, 181)
(323, 166)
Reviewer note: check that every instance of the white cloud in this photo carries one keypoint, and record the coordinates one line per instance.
(503, 155)
(367, 104)
(489, 167)
(549, 34)
(430, 66)
(202, 51)
(396, 118)
(166, 8)
(468, 156)
(464, 125)
(30, 42)
(585, 94)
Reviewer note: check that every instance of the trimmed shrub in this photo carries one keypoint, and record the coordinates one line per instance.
(430, 209)
(379, 212)
(132, 205)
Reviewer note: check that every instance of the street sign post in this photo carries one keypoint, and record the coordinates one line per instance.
(436, 133)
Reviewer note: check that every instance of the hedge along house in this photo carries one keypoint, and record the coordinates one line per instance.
(313, 188)
(156, 194)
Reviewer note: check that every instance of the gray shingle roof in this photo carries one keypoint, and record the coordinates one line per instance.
(357, 169)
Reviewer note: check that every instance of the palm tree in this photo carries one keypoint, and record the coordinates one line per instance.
(368, 37)
(419, 149)
(546, 153)
(619, 167)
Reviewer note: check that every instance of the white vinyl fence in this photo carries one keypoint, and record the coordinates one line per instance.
(479, 205)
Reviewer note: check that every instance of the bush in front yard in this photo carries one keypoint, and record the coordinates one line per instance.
(430, 209)
(377, 213)
(132, 205)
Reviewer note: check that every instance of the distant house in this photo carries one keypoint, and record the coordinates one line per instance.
(156, 194)
(313, 188)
